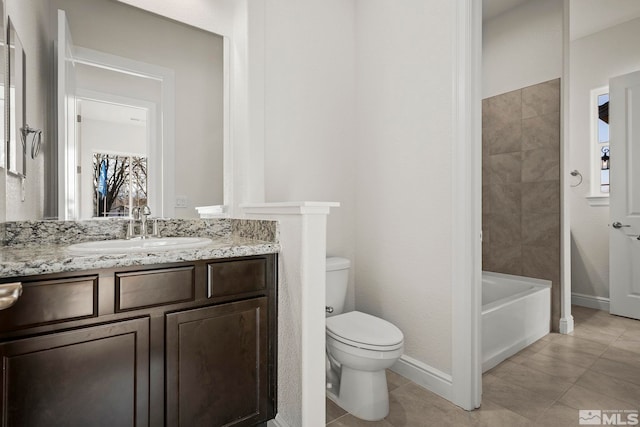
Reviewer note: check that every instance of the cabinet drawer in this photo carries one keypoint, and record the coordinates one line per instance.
(40, 303)
(154, 287)
(236, 277)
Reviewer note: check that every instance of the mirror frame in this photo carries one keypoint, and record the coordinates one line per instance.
(16, 68)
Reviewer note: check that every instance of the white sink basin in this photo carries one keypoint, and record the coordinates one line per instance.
(138, 245)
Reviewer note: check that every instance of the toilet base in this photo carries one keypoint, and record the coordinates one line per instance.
(363, 394)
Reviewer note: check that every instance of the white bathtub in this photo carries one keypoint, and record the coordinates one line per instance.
(516, 312)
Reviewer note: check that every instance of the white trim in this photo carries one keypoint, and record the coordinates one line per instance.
(277, 422)
(289, 208)
(466, 378)
(424, 375)
(598, 200)
(164, 194)
(565, 325)
(590, 301)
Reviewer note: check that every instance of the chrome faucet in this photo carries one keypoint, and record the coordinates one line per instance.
(141, 214)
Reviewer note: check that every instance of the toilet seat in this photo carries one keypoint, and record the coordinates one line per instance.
(364, 331)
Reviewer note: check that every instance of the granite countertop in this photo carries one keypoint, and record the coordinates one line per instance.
(54, 258)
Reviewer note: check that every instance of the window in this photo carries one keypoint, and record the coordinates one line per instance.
(119, 183)
(600, 150)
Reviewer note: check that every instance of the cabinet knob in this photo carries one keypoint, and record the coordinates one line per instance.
(9, 294)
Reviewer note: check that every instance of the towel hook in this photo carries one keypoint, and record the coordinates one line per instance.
(36, 139)
(576, 173)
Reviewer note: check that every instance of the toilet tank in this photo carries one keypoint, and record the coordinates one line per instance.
(336, 281)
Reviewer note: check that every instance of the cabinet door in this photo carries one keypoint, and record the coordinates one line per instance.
(217, 365)
(96, 376)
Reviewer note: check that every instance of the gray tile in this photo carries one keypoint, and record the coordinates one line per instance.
(395, 380)
(610, 386)
(541, 132)
(504, 259)
(542, 164)
(505, 198)
(504, 138)
(531, 379)
(505, 229)
(541, 197)
(569, 354)
(505, 168)
(513, 397)
(581, 398)
(413, 406)
(491, 414)
(540, 229)
(503, 108)
(543, 98)
(562, 371)
(351, 421)
(332, 410)
(583, 345)
(616, 369)
(558, 415)
(541, 262)
(593, 334)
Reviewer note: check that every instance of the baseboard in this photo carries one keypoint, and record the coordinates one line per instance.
(566, 325)
(277, 422)
(427, 376)
(590, 301)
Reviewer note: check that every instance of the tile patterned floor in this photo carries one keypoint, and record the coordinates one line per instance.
(597, 367)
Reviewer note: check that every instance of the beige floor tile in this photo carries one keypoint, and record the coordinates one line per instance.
(631, 334)
(584, 345)
(535, 381)
(413, 406)
(617, 369)
(610, 386)
(526, 352)
(333, 410)
(628, 344)
(351, 421)
(562, 371)
(395, 380)
(571, 355)
(581, 398)
(515, 398)
(493, 415)
(594, 334)
(605, 323)
(558, 415)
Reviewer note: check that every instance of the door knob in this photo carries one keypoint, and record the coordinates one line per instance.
(618, 225)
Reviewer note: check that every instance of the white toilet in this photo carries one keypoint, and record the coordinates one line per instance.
(359, 349)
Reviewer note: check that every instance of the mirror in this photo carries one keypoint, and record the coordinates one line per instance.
(129, 74)
(16, 151)
(2, 88)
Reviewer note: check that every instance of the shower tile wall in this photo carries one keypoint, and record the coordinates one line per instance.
(521, 185)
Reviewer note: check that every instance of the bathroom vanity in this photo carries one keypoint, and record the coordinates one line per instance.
(191, 343)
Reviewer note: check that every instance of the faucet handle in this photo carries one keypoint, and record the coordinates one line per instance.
(145, 211)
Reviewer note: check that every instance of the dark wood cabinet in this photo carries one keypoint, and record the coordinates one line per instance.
(217, 362)
(96, 376)
(186, 344)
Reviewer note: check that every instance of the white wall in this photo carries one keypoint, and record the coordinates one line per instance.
(310, 149)
(594, 59)
(404, 219)
(522, 47)
(30, 22)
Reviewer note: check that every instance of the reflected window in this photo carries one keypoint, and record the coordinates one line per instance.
(603, 141)
(120, 184)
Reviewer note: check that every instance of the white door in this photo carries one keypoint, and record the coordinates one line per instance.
(67, 147)
(624, 251)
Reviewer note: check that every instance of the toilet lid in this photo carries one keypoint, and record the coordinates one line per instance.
(361, 328)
